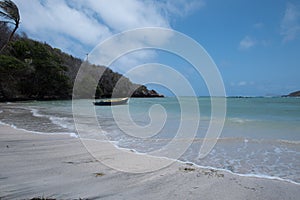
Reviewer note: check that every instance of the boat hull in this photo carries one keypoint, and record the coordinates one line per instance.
(111, 102)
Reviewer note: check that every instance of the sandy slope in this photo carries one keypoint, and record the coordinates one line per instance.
(33, 165)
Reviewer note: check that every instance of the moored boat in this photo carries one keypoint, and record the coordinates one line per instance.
(111, 102)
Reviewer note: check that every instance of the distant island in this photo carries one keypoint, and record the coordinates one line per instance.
(293, 94)
(31, 70)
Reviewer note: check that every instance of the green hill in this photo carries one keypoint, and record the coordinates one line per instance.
(31, 70)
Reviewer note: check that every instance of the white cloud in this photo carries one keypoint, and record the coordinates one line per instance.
(126, 62)
(76, 26)
(123, 15)
(290, 24)
(247, 42)
(60, 25)
(242, 83)
(129, 49)
(181, 7)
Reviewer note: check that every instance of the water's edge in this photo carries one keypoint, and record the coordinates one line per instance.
(73, 135)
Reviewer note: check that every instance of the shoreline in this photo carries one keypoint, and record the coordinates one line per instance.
(58, 166)
(74, 135)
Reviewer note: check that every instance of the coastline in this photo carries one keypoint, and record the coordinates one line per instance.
(58, 166)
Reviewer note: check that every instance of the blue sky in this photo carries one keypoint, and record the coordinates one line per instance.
(255, 44)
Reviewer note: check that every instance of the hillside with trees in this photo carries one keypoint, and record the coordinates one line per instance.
(31, 70)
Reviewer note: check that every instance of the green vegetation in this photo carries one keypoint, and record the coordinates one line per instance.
(31, 70)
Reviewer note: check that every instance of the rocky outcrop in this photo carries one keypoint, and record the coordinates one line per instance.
(143, 92)
(293, 94)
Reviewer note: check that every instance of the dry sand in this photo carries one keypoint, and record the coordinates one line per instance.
(52, 166)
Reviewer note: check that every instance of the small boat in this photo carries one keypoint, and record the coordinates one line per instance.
(111, 102)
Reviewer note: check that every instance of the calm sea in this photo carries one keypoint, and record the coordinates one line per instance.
(261, 136)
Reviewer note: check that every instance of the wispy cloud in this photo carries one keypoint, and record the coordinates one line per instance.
(290, 24)
(122, 15)
(247, 42)
(242, 83)
(181, 7)
(77, 26)
(61, 25)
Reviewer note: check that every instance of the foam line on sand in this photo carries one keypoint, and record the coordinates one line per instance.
(58, 166)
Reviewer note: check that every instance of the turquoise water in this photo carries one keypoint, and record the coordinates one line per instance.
(261, 136)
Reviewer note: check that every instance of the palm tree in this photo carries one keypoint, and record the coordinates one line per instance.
(10, 12)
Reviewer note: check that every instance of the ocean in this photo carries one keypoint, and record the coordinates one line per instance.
(261, 136)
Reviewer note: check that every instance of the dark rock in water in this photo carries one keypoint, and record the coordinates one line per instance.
(143, 92)
(293, 94)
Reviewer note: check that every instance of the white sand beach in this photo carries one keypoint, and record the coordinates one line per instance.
(58, 166)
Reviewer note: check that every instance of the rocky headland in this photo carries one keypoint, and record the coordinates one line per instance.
(293, 94)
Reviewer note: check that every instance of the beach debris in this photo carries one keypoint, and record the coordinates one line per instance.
(211, 173)
(99, 174)
(187, 169)
(69, 162)
(80, 162)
